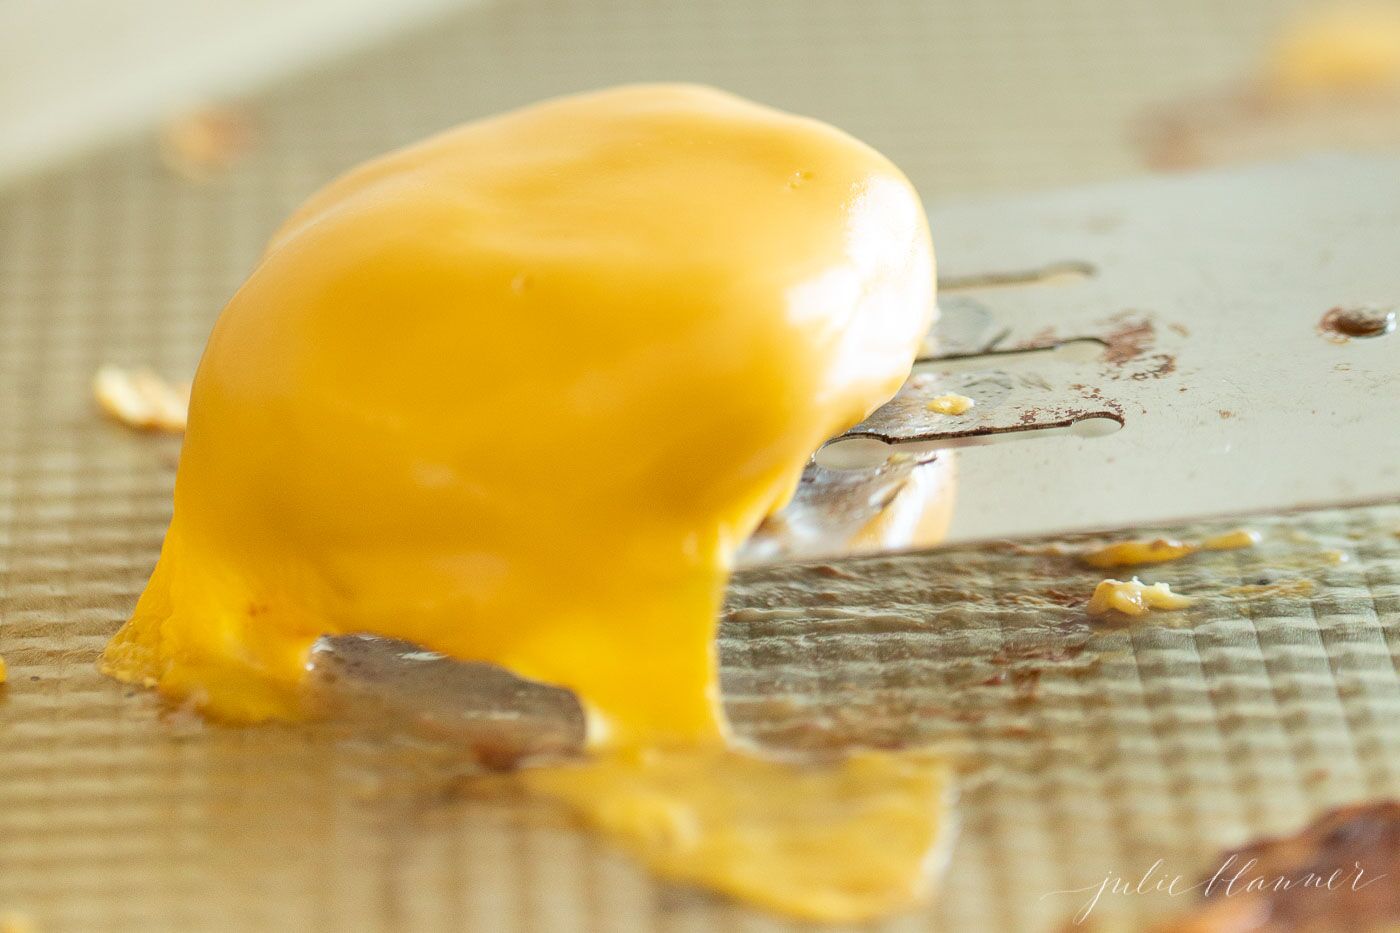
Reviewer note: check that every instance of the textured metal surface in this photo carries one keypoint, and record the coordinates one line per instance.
(1099, 749)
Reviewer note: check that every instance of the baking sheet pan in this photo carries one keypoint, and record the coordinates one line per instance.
(1089, 750)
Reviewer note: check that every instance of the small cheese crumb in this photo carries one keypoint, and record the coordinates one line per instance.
(1134, 598)
(950, 404)
(4, 671)
(1353, 46)
(141, 399)
(1231, 541)
(1161, 550)
(1132, 553)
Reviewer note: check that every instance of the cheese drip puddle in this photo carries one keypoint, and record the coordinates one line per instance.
(517, 394)
(841, 842)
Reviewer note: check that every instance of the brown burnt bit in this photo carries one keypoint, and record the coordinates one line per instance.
(1184, 134)
(1062, 598)
(1092, 393)
(833, 572)
(1168, 139)
(1337, 873)
(1226, 414)
(1043, 339)
(968, 717)
(1132, 337)
(1341, 324)
(1095, 394)
(1052, 653)
(1025, 685)
(1041, 599)
(1154, 367)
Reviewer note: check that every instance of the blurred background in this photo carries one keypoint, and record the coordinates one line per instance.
(966, 95)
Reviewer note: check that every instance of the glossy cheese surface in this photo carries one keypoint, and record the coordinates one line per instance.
(518, 392)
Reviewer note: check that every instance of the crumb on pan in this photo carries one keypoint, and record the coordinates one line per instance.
(1132, 553)
(950, 404)
(138, 398)
(1161, 550)
(1232, 540)
(1134, 598)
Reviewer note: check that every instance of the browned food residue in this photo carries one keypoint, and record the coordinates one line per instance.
(1341, 324)
(1291, 587)
(1341, 872)
(1055, 654)
(1154, 367)
(1128, 340)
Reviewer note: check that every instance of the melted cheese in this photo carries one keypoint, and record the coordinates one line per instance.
(950, 404)
(518, 392)
(1134, 598)
(844, 842)
(1235, 540)
(1161, 550)
(1133, 553)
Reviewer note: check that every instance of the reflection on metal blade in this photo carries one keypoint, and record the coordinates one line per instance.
(1202, 312)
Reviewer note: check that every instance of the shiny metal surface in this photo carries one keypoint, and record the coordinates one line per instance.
(1199, 323)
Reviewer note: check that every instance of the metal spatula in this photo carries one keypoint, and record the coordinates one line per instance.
(1150, 351)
